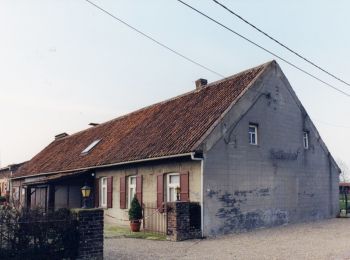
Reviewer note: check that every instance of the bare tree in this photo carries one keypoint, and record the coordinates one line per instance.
(345, 171)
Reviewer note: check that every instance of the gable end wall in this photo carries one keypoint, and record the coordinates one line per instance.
(276, 182)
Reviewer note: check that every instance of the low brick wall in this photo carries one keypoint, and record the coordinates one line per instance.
(184, 220)
(91, 233)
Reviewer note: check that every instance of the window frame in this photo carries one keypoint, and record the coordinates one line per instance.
(90, 146)
(306, 140)
(129, 188)
(103, 193)
(255, 133)
(170, 185)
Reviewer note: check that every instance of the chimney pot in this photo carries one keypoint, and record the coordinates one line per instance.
(59, 136)
(200, 83)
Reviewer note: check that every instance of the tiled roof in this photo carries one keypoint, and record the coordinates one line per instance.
(168, 128)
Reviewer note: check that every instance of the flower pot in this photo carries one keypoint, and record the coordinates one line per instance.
(135, 225)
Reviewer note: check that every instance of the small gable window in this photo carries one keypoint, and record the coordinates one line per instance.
(306, 139)
(253, 134)
(89, 148)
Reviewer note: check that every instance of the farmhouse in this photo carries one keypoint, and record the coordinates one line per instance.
(243, 147)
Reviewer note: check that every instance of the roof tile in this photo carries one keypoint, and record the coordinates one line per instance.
(167, 128)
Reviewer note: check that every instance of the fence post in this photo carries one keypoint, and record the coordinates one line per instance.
(182, 223)
(91, 234)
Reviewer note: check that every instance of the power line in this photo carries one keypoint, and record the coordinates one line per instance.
(278, 42)
(155, 41)
(330, 124)
(264, 49)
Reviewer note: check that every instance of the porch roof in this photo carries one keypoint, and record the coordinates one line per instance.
(52, 178)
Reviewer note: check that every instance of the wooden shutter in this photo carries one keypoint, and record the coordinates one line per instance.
(123, 192)
(139, 188)
(160, 192)
(97, 193)
(110, 192)
(184, 186)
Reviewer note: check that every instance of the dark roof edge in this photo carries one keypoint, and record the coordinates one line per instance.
(108, 165)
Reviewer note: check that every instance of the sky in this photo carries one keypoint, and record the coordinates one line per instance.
(64, 63)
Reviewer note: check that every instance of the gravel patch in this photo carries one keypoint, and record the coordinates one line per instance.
(328, 239)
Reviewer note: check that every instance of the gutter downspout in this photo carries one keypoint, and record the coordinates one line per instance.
(202, 186)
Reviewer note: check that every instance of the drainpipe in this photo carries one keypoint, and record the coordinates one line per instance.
(202, 187)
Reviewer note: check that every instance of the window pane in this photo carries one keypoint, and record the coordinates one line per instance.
(174, 179)
(104, 191)
(132, 180)
(252, 131)
(171, 194)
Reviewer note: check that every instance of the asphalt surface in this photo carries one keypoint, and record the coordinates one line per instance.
(328, 239)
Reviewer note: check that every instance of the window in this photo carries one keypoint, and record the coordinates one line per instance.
(306, 140)
(92, 145)
(131, 189)
(173, 181)
(253, 134)
(103, 192)
(15, 193)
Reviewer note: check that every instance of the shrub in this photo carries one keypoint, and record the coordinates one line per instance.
(34, 234)
(135, 211)
(2, 199)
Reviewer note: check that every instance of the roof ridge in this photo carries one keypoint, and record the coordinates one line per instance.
(240, 73)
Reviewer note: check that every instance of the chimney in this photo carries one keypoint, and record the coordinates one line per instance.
(200, 83)
(59, 136)
(93, 124)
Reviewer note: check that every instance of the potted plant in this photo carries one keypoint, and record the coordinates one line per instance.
(135, 215)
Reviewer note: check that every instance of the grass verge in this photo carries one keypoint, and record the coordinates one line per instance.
(113, 231)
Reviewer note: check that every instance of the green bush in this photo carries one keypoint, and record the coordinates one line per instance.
(2, 199)
(135, 211)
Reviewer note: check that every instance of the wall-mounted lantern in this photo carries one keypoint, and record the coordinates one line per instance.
(85, 191)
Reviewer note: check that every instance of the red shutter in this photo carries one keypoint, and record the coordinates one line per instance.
(97, 193)
(184, 187)
(160, 192)
(122, 193)
(109, 192)
(139, 188)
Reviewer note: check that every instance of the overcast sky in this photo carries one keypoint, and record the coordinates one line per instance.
(64, 64)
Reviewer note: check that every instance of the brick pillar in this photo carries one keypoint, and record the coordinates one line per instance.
(183, 220)
(91, 234)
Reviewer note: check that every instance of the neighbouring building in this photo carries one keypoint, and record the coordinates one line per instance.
(243, 147)
(5, 185)
(4, 180)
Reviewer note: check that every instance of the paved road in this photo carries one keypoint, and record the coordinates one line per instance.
(329, 239)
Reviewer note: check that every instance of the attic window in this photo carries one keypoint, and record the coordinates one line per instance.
(306, 139)
(89, 148)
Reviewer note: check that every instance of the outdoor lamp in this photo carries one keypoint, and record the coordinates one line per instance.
(85, 191)
(178, 189)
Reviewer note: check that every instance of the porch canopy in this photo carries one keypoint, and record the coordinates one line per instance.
(52, 178)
